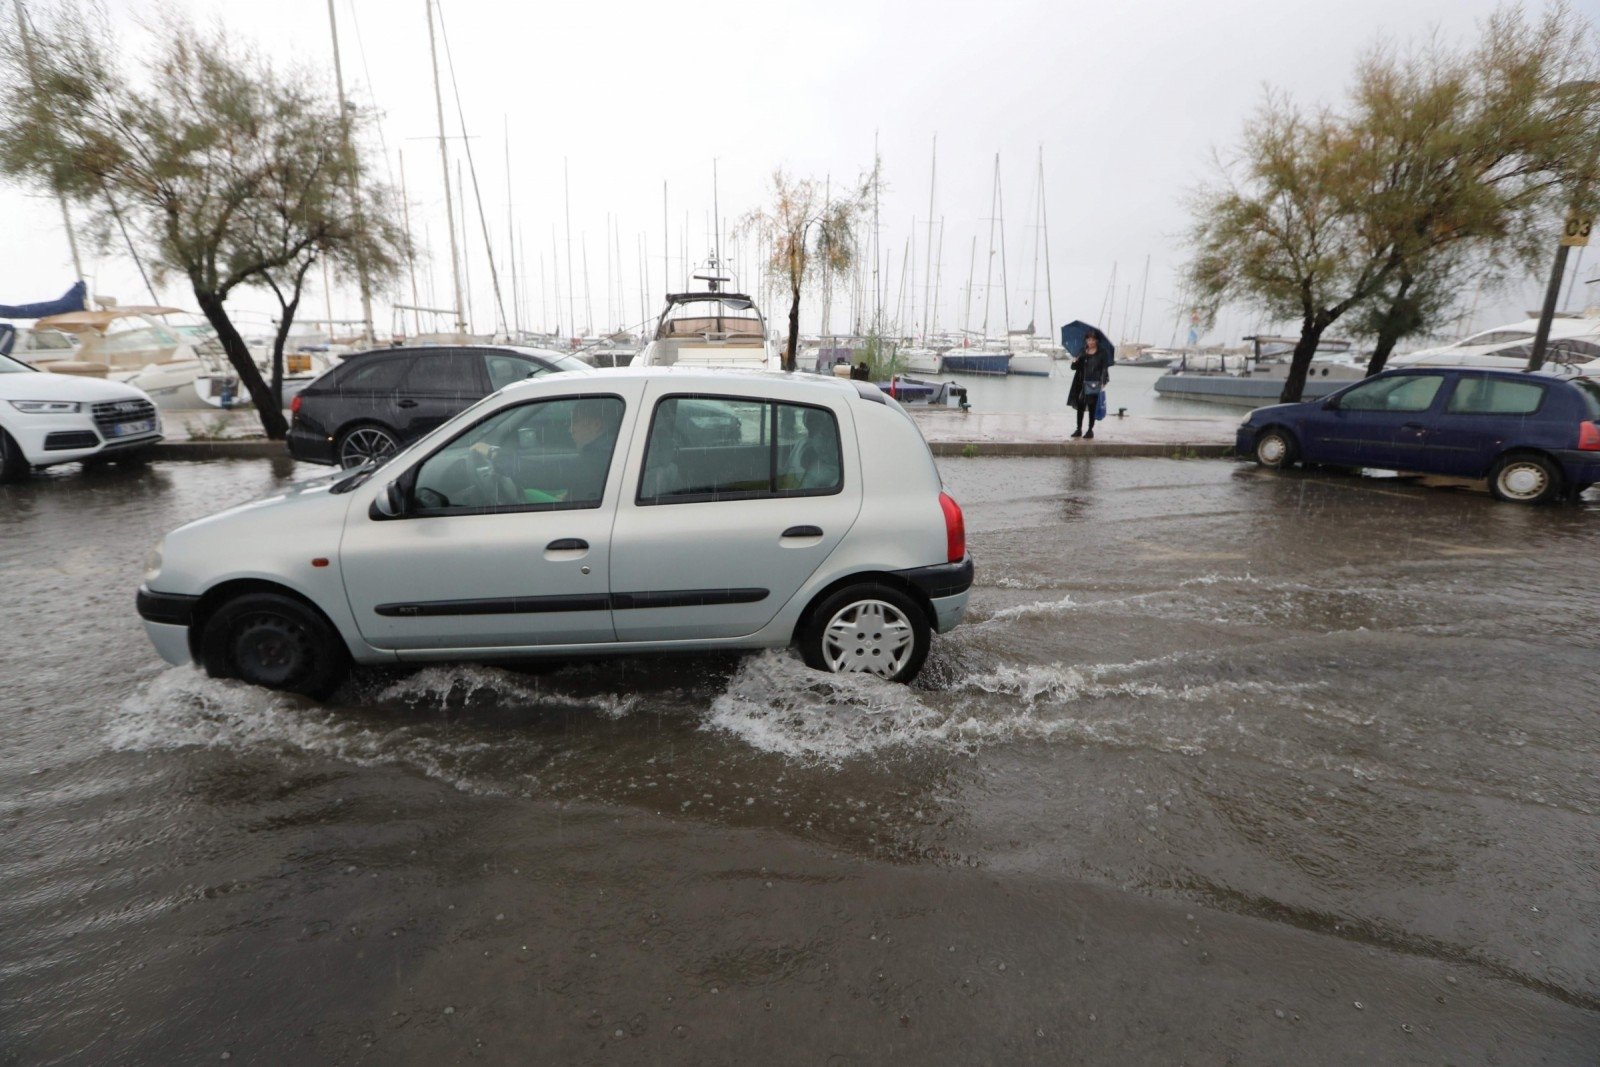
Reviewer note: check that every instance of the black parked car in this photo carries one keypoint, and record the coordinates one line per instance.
(375, 403)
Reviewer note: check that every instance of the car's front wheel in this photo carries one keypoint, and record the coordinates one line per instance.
(1525, 479)
(361, 443)
(1277, 449)
(14, 465)
(868, 629)
(276, 642)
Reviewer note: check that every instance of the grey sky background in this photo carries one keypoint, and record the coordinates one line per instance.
(1127, 102)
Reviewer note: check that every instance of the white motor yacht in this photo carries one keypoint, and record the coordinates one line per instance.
(711, 328)
(1573, 347)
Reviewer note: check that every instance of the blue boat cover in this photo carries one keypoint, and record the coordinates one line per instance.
(1073, 333)
(73, 300)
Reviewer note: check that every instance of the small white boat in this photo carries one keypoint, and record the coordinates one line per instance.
(1573, 347)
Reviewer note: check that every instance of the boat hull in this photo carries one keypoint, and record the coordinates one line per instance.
(969, 362)
(1033, 365)
(1240, 390)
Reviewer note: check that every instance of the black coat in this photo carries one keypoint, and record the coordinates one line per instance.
(1096, 368)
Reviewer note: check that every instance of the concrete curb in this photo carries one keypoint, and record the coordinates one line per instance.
(255, 448)
(1080, 449)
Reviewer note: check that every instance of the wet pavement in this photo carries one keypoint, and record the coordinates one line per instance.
(1227, 767)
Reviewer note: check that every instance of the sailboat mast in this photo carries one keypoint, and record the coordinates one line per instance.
(511, 237)
(355, 191)
(555, 281)
(1005, 283)
(938, 278)
(927, 259)
(466, 253)
(1044, 225)
(1144, 291)
(966, 318)
(988, 272)
(444, 164)
(411, 248)
(572, 302)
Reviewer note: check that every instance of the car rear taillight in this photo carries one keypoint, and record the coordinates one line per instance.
(294, 405)
(1589, 437)
(955, 529)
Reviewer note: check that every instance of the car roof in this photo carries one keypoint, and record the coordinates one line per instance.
(1490, 372)
(710, 378)
(401, 350)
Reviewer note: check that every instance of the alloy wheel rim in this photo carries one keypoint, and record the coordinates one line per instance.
(364, 444)
(1523, 480)
(868, 637)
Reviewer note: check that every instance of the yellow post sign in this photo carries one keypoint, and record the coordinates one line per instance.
(1576, 232)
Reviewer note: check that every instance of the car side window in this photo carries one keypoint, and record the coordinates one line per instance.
(705, 448)
(373, 376)
(505, 370)
(1495, 396)
(808, 449)
(548, 455)
(444, 374)
(1402, 393)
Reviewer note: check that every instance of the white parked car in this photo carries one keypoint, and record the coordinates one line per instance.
(636, 509)
(47, 419)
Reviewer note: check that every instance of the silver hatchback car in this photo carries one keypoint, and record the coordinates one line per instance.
(648, 509)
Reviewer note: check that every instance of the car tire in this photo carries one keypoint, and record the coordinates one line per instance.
(363, 441)
(276, 642)
(1276, 449)
(868, 629)
(1526, 478)
(14, 466)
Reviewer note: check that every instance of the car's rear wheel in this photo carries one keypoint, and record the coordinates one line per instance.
(14, 465)
(1525, 479)
(361, 443)
(1276, 449)
(276, 642)
(868, 629)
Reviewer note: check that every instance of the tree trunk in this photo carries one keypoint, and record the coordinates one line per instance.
(1311, 329)
(1396, 320)
(789, 361)
(285, 320)
(272, 420)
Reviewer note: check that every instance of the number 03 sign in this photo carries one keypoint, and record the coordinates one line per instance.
(1576, 232)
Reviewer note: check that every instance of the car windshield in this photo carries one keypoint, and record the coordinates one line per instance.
(13, 366)
(565, 363)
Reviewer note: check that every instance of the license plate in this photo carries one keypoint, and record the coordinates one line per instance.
(125, 429)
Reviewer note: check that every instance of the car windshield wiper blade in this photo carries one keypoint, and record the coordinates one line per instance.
(356, 477)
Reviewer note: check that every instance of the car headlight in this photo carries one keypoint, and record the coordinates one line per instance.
(152, 560)
(48, 407)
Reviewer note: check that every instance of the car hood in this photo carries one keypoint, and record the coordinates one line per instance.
(1270, 410)
(42, 385)
(293, 501)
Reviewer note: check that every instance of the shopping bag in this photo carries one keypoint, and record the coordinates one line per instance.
(1100, 405)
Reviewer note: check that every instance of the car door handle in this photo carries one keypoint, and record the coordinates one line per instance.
(567, 544)
(803, 531)
(1413, 426)
(406, 404)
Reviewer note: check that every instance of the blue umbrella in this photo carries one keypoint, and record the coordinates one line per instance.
(1073, 334)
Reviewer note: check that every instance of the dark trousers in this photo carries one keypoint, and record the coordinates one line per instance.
(1086, 408)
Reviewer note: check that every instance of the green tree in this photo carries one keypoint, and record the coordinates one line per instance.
(1475, 148)
(807, 227)
(231, 172)
(1443, 160)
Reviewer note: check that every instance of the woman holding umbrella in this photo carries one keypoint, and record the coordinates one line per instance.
(1090, 372)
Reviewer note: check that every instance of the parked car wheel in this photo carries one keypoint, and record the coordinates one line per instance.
(276, 642)
(361, 443)
(1277, 449)
(13, 464)
(868, 629)
(1525, 479)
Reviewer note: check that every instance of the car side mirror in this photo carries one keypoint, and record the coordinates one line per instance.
(1330, 404)
(390, 503)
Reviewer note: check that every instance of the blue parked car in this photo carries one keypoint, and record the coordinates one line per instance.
(1535, 438)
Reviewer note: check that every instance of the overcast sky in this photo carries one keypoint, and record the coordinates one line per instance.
(1127, 102)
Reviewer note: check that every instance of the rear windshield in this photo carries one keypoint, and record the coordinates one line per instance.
(1590, 391)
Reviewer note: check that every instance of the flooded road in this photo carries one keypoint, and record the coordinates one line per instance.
(1227, 766)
